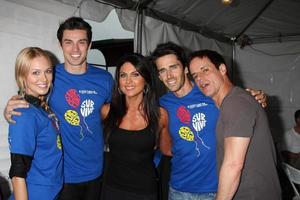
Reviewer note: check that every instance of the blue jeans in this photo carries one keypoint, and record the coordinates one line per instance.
(177, 195)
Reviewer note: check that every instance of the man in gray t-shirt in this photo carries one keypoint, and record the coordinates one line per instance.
(245, 150)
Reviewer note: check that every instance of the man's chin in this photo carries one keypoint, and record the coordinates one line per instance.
(76, 64)
(173, 89)
(206, 93)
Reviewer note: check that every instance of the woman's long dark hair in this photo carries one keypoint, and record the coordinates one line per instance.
(118, 107)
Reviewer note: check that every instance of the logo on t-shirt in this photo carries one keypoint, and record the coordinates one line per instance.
(191, 130)
(199, 121)
(87, 107)
(74, 116)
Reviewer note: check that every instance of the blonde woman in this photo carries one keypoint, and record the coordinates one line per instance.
(35, 145)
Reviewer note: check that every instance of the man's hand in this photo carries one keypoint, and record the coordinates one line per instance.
(259, 95)
(13, 103)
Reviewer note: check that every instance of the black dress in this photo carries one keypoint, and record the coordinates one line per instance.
(130, 172)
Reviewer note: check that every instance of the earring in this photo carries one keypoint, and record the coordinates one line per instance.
(146, 89)
(119, 90)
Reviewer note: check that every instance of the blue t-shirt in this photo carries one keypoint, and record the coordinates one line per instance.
(36, 135)
(76, 99)
(192, 122)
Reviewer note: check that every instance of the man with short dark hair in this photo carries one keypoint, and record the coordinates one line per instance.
(192, 119)
(245, 150)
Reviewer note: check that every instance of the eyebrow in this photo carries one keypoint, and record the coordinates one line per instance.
(70, 40)
(85, 39)
(66, 39)
(202, 66)
(176, 64)
(172, 65)
(129, 72)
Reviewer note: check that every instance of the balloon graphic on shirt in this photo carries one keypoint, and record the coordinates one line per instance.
(183, 114)
(72, 98)
(87, 107)
(72, 117)
(186, 133)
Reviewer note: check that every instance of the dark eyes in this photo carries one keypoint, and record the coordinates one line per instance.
(162, 71)
(172, 68)
(123, 75)
(49, 71)
(134, 74)
(81, 42)
(37, 72)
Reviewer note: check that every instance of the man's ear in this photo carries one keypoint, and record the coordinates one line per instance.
(223, 69)
(160, 78)
(59, 45)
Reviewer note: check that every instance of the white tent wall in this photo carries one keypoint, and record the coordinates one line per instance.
(34, 23)
(274, 68)
(20, 26)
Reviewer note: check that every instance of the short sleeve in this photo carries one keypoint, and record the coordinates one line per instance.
(238, 117)
(110, 88)
(288, 143)
(22, 134)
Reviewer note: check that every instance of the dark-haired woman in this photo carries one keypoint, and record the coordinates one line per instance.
(135, 126)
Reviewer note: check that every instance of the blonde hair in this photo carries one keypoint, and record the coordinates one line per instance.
(23, 62)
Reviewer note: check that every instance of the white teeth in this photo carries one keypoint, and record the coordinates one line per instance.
(42, 85)
(171, 82)
(129, 88)
(75, 56)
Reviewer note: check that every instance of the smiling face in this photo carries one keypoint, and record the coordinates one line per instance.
(131, 82)
(207, 77)
(75, 47)
(39, 77)
(171, 73)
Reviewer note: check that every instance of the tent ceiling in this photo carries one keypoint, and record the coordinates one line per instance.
(244, 20)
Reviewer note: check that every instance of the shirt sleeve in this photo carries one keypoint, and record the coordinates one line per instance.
(239, 117)
(20, 165)
(288, 142)
(22, 134)
(110, 89)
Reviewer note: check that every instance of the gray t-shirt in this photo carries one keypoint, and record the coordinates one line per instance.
(241, 116)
